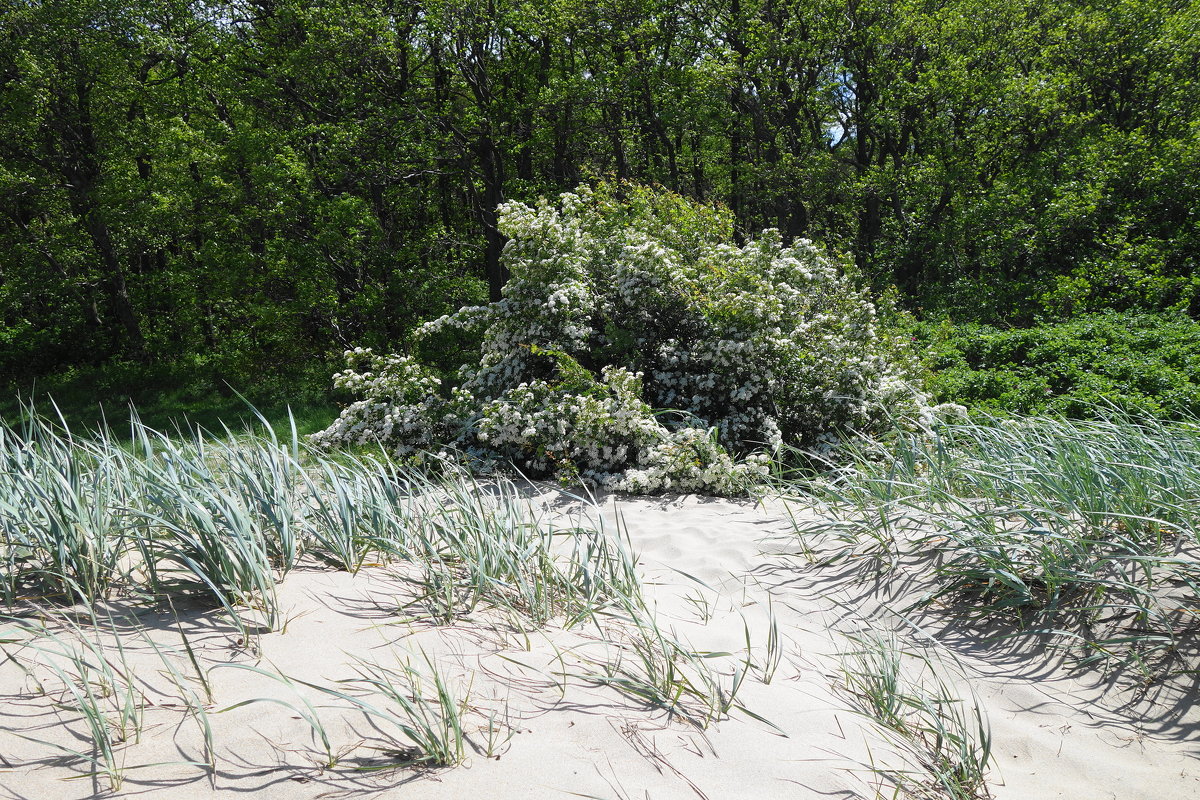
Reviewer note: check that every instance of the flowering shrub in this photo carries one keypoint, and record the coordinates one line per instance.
(618, 306)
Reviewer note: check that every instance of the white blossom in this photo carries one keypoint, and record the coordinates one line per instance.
(741, 349)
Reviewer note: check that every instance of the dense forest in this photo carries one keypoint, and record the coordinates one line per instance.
(244, 189)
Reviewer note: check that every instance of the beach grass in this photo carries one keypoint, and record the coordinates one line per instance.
(218, 522)
(1081, 531)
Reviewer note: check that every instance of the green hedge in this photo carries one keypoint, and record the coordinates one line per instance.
(1140, 363)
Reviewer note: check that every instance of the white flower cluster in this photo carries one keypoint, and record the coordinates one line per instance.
(616, 308)
(693, 460)
(572, 434)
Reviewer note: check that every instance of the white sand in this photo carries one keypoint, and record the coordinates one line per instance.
(1056, 734)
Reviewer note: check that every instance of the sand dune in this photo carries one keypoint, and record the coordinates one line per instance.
(717, 572)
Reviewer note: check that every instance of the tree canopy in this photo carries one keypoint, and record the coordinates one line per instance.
(249, 186)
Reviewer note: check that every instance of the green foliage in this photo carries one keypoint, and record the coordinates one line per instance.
(170, 397)
(1140, 363)
(255, 195)
(164, 205)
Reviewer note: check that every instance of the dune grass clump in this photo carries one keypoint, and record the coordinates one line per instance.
(84, 662)
(60, 508)
(1084, 529)
(416, 712)
(227, 519)
(416, 709)
(489, 545)
(269, 478)
(945, 740)
(92, 681)
(651, 664)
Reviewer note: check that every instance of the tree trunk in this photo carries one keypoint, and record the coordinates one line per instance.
(493, 195)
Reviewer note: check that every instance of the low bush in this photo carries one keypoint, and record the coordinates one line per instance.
(1144, 364)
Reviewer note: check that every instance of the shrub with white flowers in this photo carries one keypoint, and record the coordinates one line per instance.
(637, 348)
